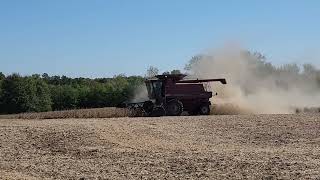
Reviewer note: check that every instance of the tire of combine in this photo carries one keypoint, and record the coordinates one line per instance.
(204, 109)
(174, 108)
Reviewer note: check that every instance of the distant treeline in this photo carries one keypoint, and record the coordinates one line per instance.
(38, 93)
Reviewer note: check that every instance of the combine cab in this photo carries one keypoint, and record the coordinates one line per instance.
(170, 95)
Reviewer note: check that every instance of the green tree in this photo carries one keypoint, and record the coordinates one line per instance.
(46, 77)
(2, 76)
(64, 97)
(42, 96)
(25, 94)
(83, 95)
(12, 91)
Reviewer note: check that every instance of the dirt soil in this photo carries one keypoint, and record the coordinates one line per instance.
(204, 147)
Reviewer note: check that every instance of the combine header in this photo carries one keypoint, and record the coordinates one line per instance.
(170, 95)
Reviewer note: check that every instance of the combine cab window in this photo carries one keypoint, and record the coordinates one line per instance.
(154, 89)
(157, 86)
(150, 90)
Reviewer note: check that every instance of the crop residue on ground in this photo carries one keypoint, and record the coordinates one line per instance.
(203, 147)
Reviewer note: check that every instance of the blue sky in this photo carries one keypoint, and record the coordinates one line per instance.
(101, 38)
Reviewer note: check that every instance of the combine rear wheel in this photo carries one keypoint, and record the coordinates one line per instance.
(174, 108)
(204, 109)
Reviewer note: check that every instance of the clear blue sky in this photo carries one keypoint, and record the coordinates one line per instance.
(101, 38)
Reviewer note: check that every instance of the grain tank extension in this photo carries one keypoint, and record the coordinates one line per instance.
(170, 95)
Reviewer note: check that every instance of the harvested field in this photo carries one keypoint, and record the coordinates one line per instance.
(203, 147)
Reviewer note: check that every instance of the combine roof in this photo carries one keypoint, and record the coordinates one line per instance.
(178, 78)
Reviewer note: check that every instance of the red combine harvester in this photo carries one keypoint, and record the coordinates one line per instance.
(170, 95)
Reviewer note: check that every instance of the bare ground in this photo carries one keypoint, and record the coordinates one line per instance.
(203, 147)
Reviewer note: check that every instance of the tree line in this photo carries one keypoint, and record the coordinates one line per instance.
(39, 93)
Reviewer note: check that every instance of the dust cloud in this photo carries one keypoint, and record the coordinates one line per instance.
(140, 94)
(254, 85)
